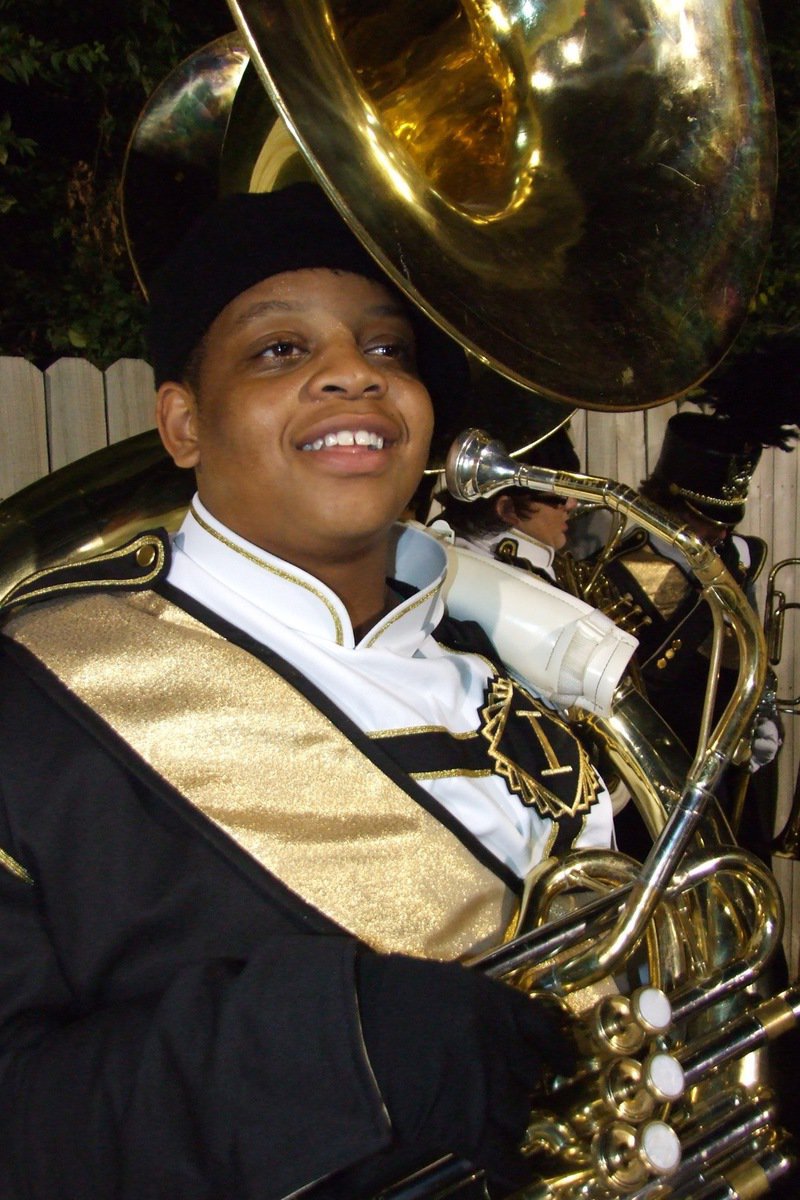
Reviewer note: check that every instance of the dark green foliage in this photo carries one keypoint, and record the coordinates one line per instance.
(73, 80)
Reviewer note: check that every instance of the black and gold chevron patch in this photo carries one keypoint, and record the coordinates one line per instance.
(518, 738)
(530, 746)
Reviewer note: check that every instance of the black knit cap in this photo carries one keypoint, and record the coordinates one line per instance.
(247, 237)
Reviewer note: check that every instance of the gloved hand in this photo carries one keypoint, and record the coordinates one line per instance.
(457, 1057)
(765, 745)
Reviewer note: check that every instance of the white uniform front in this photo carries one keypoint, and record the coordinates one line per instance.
(398, 678)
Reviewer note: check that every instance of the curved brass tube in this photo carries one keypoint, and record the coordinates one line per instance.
(478, 466)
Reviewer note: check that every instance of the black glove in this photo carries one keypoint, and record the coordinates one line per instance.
(457, 1058)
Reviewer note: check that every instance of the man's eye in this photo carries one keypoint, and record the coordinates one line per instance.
(282, 348)
(399, 350)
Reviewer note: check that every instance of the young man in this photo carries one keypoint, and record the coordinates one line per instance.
(255, 804)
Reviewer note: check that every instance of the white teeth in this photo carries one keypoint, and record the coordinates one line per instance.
(347, 437)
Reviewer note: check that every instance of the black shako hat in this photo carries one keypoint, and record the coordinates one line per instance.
(708, 458)
(705, 463)
(247, 237)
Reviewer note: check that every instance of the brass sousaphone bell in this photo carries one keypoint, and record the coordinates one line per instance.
(579, 192)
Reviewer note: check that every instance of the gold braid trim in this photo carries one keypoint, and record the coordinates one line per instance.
(14, 867)
(730, 502)
(25, 591)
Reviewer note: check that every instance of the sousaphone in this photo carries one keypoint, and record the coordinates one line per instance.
(580, 192)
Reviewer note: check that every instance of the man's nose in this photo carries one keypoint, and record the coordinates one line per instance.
(344, 370)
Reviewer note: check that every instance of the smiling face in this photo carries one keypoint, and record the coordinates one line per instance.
(308, 428)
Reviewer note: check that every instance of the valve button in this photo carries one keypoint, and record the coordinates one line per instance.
(660, 1147)
(652, 1009)
(664, 1077)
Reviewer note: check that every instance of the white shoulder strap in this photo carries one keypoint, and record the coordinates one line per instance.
(567, 651)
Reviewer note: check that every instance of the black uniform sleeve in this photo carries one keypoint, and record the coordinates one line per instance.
(167, 1029)
(176, 1025)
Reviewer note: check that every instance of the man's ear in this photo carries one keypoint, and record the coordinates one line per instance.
(504, 507)
(176, 418)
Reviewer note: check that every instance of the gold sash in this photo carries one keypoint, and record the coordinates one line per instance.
(260, 761)
(659, 578)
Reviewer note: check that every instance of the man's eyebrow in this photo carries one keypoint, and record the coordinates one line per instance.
(389, 309)
(264, 307)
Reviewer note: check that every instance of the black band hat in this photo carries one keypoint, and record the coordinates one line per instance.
(247, 237)
(707, 459)
(700, 464)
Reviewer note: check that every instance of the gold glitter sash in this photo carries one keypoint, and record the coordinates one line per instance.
(660, 579)
(267, 767)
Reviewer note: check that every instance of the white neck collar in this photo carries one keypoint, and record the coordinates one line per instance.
(247, 585)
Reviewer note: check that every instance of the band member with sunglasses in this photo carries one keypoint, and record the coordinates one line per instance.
(517, 525)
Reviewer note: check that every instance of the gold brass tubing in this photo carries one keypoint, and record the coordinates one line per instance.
(775, 635)
(542, 943)
(617, 529)
(709, 700)
(553, 1136)
(775, 611)
(764, 940)
(645, 753)
(712, 1107)
(752, 959)
(787, 843)
(713, 1145)
(754, 1177)
(588, 870)
(748, 1032)
(747, 1176)
(740, 795)
(528, 951)
(563, 1187)
(600, 959)
(477, 466)
(781, 1013)
(584, 869)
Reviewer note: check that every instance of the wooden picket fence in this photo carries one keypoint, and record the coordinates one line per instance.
(51, 418)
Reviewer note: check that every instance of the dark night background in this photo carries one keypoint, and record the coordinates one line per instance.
(73, 80)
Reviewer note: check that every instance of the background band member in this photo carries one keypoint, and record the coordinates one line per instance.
(518, 525)
(701, 479)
